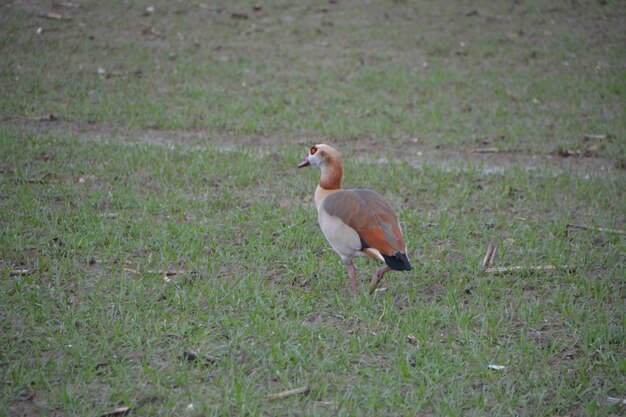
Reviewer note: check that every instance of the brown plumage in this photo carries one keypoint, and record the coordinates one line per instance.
(355, 222)
(371, 216)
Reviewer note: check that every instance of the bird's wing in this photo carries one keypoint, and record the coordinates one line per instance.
(371, 216)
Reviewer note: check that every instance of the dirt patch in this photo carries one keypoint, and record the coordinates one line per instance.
(491, 160)
(28, 409)
(102, 132)
(324, 319)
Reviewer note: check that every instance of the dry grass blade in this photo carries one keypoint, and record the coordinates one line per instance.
(613, 400)
(110, 215)
(119, 411)
(490, 255)
(570, 227)
(18, 272)
(132, 271)
(284, 394)
(170, 273)
(374, 288)
(166, 273)
(536, 268)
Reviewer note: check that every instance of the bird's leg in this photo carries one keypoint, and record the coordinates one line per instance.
(352, 274)
(378, 276)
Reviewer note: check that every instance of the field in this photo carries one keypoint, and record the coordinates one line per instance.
(160, 253)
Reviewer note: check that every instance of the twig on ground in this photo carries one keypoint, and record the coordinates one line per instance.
(47, 118)
(285, 228)
(36, 181)
(536, 268)
(54, 16)
(167, 273)
(570, 227)
(284, 394)
(594, 136)
(192, 356)
(487, 150)
(490, 256)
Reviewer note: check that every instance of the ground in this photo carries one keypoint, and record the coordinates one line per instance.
(159, 250)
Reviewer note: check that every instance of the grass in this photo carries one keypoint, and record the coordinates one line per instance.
(265, 294)
(447, 74)
(182, 155)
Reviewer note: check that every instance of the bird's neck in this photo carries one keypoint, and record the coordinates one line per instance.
(332, 172)
(330, 181)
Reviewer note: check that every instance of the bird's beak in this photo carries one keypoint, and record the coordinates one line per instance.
(304, 163)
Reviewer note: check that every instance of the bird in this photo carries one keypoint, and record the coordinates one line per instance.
(356, 222)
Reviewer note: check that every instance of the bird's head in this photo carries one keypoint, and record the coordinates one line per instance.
(320, 156)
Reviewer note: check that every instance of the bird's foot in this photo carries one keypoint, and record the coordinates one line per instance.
(378, 276)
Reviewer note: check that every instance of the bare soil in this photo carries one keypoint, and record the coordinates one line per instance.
(491, 159)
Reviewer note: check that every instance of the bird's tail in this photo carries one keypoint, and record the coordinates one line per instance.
(398, 262)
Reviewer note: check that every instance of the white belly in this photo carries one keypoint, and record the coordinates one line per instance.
(344, 239)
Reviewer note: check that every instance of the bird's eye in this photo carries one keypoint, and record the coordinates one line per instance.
(313, 150)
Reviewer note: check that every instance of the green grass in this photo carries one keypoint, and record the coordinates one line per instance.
(265, 294)
(182, 157)
(536, 76)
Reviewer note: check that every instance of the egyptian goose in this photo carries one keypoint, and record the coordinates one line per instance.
(355, 222)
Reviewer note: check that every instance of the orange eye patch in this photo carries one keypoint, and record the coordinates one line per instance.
(313, 150)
